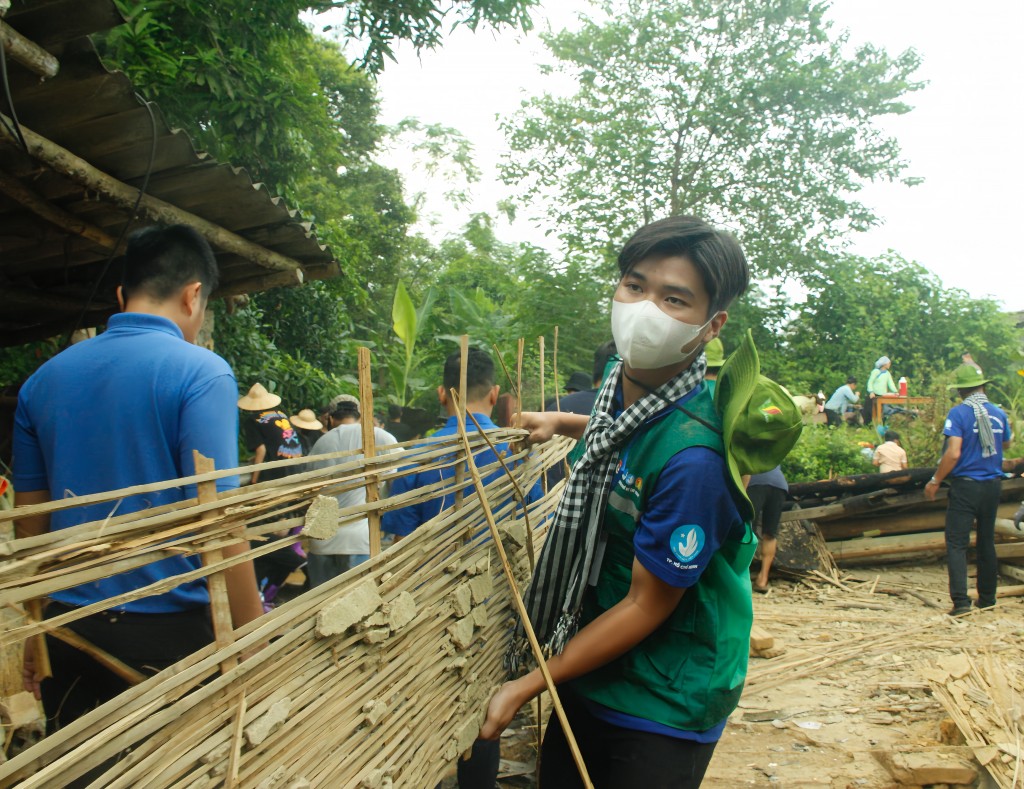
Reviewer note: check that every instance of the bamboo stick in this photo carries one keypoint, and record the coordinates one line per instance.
(220, 604)
(369, 445)
(524, 617)
(460, 412)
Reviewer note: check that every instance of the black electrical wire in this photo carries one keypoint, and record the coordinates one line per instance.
(124, 230)
(16, 131)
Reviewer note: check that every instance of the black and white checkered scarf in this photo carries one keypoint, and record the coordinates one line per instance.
(985, 435)
(556, 592)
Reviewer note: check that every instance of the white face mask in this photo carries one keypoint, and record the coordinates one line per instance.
(646, 338)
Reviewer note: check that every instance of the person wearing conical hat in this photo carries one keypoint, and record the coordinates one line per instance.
(310, 428)
(976, 433)
(268, 432)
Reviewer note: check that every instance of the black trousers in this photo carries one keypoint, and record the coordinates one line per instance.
(971, 501)
(147, 642)
(618, 758)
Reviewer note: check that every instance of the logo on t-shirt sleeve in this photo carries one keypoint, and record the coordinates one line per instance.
(687, 541)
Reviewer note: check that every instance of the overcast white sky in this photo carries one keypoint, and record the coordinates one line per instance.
(963, 137)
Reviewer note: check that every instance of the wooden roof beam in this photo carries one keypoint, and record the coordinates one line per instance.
(30, 55)
(39, 205)
(121, 194)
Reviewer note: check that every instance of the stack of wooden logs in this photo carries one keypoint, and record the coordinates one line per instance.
(871, 518)
(379, 677)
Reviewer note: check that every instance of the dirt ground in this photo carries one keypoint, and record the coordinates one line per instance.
(847, 685)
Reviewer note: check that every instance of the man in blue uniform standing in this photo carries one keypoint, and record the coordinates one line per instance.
(128, 408)
(976, 433)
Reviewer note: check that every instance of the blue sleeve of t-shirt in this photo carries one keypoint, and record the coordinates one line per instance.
(29, 462)
(689, 515)
(955, 423)
(209, 423)
(405, 520)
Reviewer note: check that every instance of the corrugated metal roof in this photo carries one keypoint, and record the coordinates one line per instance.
(46, 270)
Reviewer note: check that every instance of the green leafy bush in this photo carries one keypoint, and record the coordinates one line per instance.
(822, 453)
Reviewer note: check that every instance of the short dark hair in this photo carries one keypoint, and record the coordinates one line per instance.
(715, 253)
(479, 373)
(891, 435)
(601, 357)
(159, 261)
(394, 411)
(851, 380)
(346, 409)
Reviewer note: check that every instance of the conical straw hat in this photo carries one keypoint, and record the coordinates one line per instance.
(307, 420)
(258, 399)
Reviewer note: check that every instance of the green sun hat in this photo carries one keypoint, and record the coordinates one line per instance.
(715, 352)
(967, 376)
(760, 421)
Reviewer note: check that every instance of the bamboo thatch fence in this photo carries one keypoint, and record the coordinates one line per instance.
(379, 677)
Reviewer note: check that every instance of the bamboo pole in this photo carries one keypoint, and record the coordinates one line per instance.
(369, 445)
(524, 617)
(460, 412)
(543, 396)
(519, 376)
(125, 196)
(220, 604)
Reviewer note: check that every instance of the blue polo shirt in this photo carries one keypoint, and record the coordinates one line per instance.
(961, 422)
(126, 408)
(406, 520)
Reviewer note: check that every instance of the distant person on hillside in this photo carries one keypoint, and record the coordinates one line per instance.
(839, 406)
(890, 456)
(976, 434)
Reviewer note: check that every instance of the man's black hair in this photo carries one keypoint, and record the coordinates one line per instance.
(601, 356)
(346, 409)
(716, 254)
(394, 412)
(891, 435)
(851, 380)
(479, 373)
(160, 261)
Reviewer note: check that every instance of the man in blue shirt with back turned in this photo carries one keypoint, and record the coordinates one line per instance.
(128, 408)
(481, 769)
(976, 432)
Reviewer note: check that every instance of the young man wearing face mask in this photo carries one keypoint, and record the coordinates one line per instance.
(642, 591)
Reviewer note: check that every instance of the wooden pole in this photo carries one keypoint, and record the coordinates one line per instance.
(543, 398)
(519, 376)
(369, 445)
(53, 214)
(123, 195)
(460, 411)
(220, 604)
(28, 53)
(524, 616)
(554, 371)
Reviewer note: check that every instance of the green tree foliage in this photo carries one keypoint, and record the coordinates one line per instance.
(753, 115)
(859, 309)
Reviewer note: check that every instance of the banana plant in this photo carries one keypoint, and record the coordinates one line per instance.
(407, 322)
